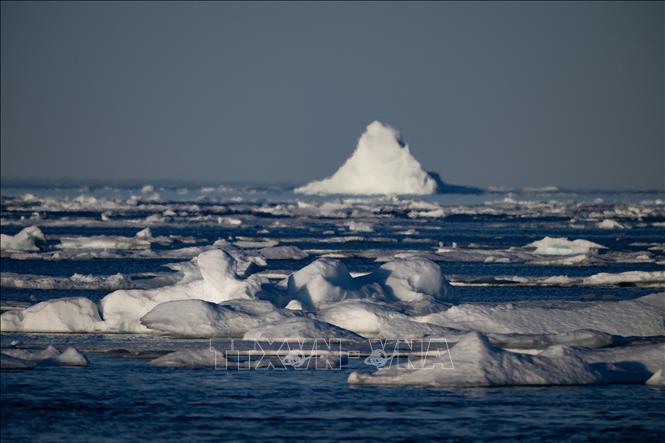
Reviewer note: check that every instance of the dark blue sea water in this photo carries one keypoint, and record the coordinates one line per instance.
(121, 399)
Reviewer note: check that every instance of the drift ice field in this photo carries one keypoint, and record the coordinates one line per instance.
(321, 296)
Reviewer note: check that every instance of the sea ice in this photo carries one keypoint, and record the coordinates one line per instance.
(24, 359)
(563, 246)
(211, 277)
(298, 328)
(29, 240)
(474, 361)
(140, 241)
(610, 224)
(74, 314)
(638, 317)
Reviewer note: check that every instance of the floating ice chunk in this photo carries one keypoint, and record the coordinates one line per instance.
(190, 358)
(642, 278)
(360, 226)
(105, 242)
(24, 354)
(563, 246)
(29, 240)
(144, 234)
(639, 317)
(474, 361)
(381, 164)
(211, 277)
(71, 357)
(610, 224)
(299, 328)
(49, 356)
(322, 282)
(414, 279)
(283, 253)
(76, 281)
(75, 314)
(633, 278)
(231, 221)
(255, 244)
(433, 213)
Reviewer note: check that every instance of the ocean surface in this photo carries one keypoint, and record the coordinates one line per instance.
(120, 397)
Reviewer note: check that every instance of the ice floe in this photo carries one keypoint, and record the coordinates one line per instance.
(73, 314)
(28, 239)
(474, 361)
(563, 246)
(638, 317)
(26, 359)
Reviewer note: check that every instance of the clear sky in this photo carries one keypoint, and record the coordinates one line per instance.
(514, 94)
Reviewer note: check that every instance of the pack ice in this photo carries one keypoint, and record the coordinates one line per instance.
(534, 342)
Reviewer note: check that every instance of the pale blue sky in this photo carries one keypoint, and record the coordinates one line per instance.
(515, 94)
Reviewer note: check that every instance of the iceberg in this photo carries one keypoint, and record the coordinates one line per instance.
(381, 164)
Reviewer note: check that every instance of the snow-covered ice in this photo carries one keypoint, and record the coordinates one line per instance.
(474, 361)
(563, 246)
(381, 164)
(28, 239)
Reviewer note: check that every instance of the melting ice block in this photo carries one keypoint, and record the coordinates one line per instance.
(381, 164)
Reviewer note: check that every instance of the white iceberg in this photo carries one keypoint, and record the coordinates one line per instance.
(381, 164)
